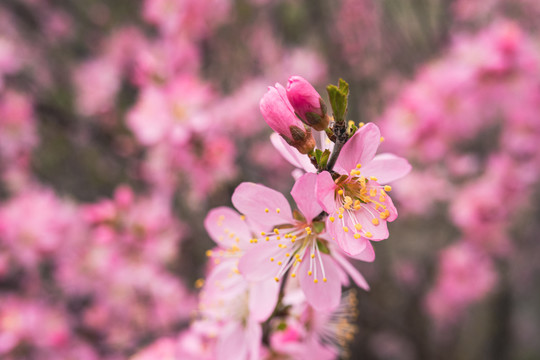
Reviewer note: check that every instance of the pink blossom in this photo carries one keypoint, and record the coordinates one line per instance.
(466, 275)
(279, 115)
(358, 205)
(293, 243)
(307, 103)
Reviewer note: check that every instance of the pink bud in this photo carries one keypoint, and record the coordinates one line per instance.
(307, 103)
(279, 115)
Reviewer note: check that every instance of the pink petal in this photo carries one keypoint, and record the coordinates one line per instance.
(255, 264)
(254, 339)
(225, 226)
(325, 190)
(291, 154)
(387, 168)
(303, 192)
(367, 255)
(232, 342)
(365, 217)
(322, 295)
(263, 296)
(263, 206)
(360, 149)
(352, 271)
(345, 240)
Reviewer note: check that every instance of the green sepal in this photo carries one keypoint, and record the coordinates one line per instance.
(338, 96)
(318, 226)
(322, 246)
(282, 326)
(323, 159)
(297, 215)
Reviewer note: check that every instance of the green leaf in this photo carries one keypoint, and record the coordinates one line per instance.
(318, 154)
(338, 96)
(324, 159)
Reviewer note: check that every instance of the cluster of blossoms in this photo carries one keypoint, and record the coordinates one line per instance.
(436, 119)
(53, 251)
(285, 268)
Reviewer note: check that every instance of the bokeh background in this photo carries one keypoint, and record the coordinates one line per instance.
(123, 122)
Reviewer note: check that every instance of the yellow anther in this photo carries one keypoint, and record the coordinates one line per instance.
(308, 230)
(309, 273)
(263, 233)
(315, 281)
(348, 200)
(199, 283)
(368, 234)
(382, 198)
(278, 237)
(271, 259)
(276, 231)
(255, 241)
(346, 229)
(340, 192)
(287, 254)
(357, 207)
(279, 263)
(277, 279)
(361, 124)
(347, 206)
(278, 210)
(341, 210)
(324, 279)
(209, 253)
(373, 178)
(267, 238)
(332, 219)
(382, 138)
(375, 221)
(357, 236)
(242, 217)
(266, 210)
(358, 166)
(297, 256)
(358, 227)
(293, 275)
(312, 256)
(387, 188)
(351, 123)
(340, 216)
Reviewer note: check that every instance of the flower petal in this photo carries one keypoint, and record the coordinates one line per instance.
(256, 264)
(387, 168)
(321, 295)
(360, 149)
(352, 271)
(325, 189)
(291, 154)
(345, 240)
(226, 227)
(232, 342)
(263, 296)
(303, 192)
(263, 206)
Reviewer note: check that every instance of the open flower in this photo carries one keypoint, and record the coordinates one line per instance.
(294, 242)
(355, 198)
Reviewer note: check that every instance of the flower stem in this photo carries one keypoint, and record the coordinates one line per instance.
(340, 132)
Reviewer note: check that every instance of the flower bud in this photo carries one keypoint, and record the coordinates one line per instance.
(279, 115)
(307, 103)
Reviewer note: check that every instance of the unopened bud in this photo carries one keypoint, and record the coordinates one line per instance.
(279, 115)
(307, 103)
